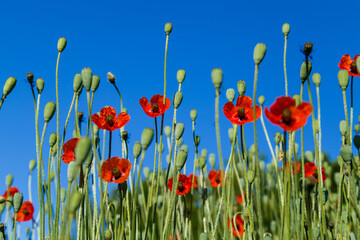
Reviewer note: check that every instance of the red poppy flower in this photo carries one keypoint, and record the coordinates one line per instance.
(155, 107)
(195, 184)
(215, 178)
(239, 225)
(184, 184)
(311, 171)
(115, 170)
(12, 191)
(69, 148)
(239, 198)
(348, 65)
(298, 167)
(26, 212)
(242, 112)
(286, 115)
(107, 119)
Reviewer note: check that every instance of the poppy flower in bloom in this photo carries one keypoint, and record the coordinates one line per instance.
(115, 170)
(184, 184)
(155, 107)
(349, 65)
(239, 225)
(108, 120)
(195, 184)
(215, 178)
(12, 191)
(239, 198)
(26, 212)
(69, 148)
(311, 171)
(286, 115)
(298, 166)
(242, 112)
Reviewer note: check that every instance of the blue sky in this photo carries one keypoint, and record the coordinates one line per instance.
(127, 38)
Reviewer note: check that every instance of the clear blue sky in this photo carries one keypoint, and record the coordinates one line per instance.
(128, 39)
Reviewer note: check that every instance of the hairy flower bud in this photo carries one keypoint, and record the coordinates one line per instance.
(316, 78)
(343, 78)
(167, 131)
(305, 73)
(75, 201)
(146, 137)
(181, 158)
(137, 149)
(111, 78)
(30, 77)
(77, 83)
(212, 160)
(230, 94)
(86, 76)
(241, 87)
(179, 130)
(61, 44)
(32, 165)
(178, 97)
(180, 76)
(193, 114)
(217, 77)
(259, 53)
(52, 139)
(95, 83)
(9, 180)
(49, 111)
(286, 29)
(39, 85)
(343, 127)
(346, 153)
(82, 149)
(72, 170)
(261, 100)
(168, 28)
(18, 200)
(204, 236)
(9, 86)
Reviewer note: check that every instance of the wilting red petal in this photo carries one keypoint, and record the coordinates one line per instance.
(26, 212)
(115, 163)
(184, 184)
(12, 191)
(68, 149)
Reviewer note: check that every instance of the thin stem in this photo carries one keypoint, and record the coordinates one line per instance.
(286, 83)
(351, 109)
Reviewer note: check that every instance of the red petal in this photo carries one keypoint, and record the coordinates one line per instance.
(282, 103)
(244, 102)
(107, 111)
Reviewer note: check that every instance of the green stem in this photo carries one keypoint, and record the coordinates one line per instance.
(286, 83)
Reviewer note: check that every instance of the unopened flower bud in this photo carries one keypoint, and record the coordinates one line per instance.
(146, 172)
(30, 77)
(346, 153)
(204, 236)
(305, 73)
(193, 114)
(167, 131)
(9, 180)
(316, 233)
(286, 29)
(278, 137)
(146, 137)
(9, 86)
(52, 139)
(259, 53)
(86, 77)
(316, 78)
(95, 128)
(204, 153)
(108, 234)
(61, 44)
(82, 149)
(49, 111)
(77, 83)
(95, 83)
(261, 100)
(202, 162)
(180, 75)
(71, 171)
(273, 226)
(181, 158)
(88, 160)
(357, 128)
(168, 28)
(179, 130)
(217, 77)
(250, 176)
(231, 134)
(308, 46)
(230, 94)
(241, 87)
(178, 97)
(180, 142)
(137, 149)
(75, 201)
(212, 160)
(111, 78)
(18, 200)
(297, 99)
(39, 85)
(343, 127)
(197, 141)
(343, 78)
(309, 156)
(32, 165)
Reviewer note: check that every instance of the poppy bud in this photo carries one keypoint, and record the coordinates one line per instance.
(49, 111)
(30, 77)
(180, 76)
(316, 78)
(40, 85)
(204, 236)
(230, 94)
(95, 83)
(95, 128)
(181, 158)
(309, 156)
(111, 78)
(250, 176)
(231, 134)
(18, 200)
(146, 172)
(61, 44)
(137, 149)
(316, 126)
(286, 29)
(346, 153)
(267, 236)
(146, 137)
(52, 139)
(259, 53)
(197, 141)
(108, 234)
(161, 147)
(82, 149)
(75, 201)
(62, 194)
(77, 83)
(340, 160)
(168, 28)
(212, 160)
(86, 77)
(241, 87)
(9, 180)
(278, 138)
(304, 74)
(357, 141)
(357, 128)
(261, 100)
(88, 159)
(32, 165)
(167, 131)
(177, 99)
(179, 130)
(71, 171)
(217, 77)
(316, 233)
(202, 162)
(343, 78)
(343, 127)
(9, 86)
(193, 114)
(308, 46)
(297, 99)
(204, 153)
(180, 142)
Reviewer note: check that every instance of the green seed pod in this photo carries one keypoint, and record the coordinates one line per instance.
(49, 111)
(146, 172)
(286, 29)
(241, 87)
(52, 139)
(204, 236)
(9, 86)
(259, 53)
(108, 234)
(86, 77)
(146, 137)
(82, 149)
(72, 170)
(309, 156)
(357, 141)
(316, 126)
(316, 78)
(137, 149)
(316, 233)
(212, 160)
(75, 201)
(303, 75)
(179, 130)
(346, 153)
(193, 114)
(167, 131)
(217, 77)
(32, 165)
(261, 100)
(61, 44)
(278, 138)
(357, 128)
(18, 200)
(250, 176)
(40, 85)
(168, 28)
(230, 94)
(343, 127)
(267, 236)
(30, 77)
(297, 99)
(178, 97)
(203, 153)
(9, 180)
(343, 78)
(181, 158)
(202, 162)
(95, 83)
(197, 141)
(231, 134)
(180, 76)
(88, 159)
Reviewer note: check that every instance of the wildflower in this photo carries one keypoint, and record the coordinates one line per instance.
(115, 170)
(155, 107)
(239, 225)
(298, 166)
(239, 198)
(26, 212)
(12, 191)
(242, 112)
(195, 183)
(107, 119)
(69, 147)
(184, 184)
(311, 171)
(215, 178)
(348, 65)
(287, 115)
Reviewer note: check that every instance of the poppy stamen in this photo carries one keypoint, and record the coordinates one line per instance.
(180, 186)
(116, 173)
(286, 117)
(26, 212)
(155, 108)
(217, 179)
(241, 113)
(109, 120)
(353, 68)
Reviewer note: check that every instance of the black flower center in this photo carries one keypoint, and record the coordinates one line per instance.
(241, 113)
(286, 116)
(26, 212)
(353, 68)
(116, 173)
(181, 186)
(109, 120)
(155, 107)
(217, 179)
